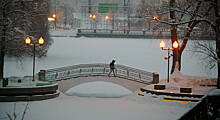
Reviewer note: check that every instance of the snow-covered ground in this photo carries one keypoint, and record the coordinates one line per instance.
(177, 80)
(131, 107)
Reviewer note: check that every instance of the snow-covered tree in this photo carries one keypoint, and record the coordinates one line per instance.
(19, 19)
(190, 14)
(182, 14)
(64, 11)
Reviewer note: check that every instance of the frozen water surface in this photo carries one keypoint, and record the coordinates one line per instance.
(143, 54)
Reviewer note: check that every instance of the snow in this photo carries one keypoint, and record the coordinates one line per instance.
(67, 33)
(144, 54)
(131, 107)
(214, 93)
(178, 80)
(98, 89)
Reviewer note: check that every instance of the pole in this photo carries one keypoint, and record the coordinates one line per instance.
(168, 64)
(55, 17)
(33, 62)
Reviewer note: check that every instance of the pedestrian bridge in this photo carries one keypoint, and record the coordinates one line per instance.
(68, 77)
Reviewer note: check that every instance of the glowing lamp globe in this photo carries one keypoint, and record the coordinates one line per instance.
(27, 40)
(162, 44)
(54, 16)
(175, 44)
(90, 15)
(106, 17)
(41, 41)
(94, 16)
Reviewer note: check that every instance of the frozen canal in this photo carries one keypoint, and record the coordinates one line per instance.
(143, 54)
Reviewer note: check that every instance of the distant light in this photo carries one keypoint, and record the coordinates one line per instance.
(106, 17)
(51, 19)
(155, 17)
(41, 41)
(54, 16)
(27, 40)
(90, 15)
(94, 16)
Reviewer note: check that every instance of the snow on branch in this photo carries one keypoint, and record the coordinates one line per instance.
(174, 23)
(186, 22)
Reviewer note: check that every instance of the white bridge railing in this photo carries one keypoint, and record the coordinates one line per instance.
(97, 70)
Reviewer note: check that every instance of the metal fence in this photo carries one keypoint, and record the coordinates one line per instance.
(94, 70)
(206, 109)
(109, 31)
(122, 33)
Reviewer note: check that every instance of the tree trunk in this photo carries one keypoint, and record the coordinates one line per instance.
(2, 55)
(2, 46)
(173, 31)
(217, 39)
(177, 53)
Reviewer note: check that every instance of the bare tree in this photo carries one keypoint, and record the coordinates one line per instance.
(14, 115)
(192, 13)
(211, 52)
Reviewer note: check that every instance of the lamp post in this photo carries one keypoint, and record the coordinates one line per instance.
(54, 16)
(106, 18)
(174, 46)
(28, 42)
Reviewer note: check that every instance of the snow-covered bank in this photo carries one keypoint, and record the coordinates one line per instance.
(67, 33)
(185, 80)
(199, 85)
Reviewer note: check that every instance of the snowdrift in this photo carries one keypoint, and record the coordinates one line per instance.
(178, 79)
(99, 90)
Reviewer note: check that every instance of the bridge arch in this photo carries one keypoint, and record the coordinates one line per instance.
(131, 85)
(71, 76)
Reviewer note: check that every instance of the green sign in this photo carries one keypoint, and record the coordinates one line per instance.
(106, 7)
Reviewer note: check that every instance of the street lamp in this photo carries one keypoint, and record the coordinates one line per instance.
(28, 42)
(174, 46)
(106, 17)
(94, 16)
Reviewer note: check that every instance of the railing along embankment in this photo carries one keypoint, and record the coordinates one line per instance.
(206, 109)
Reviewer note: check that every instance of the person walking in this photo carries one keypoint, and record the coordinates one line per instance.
(112, 68)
